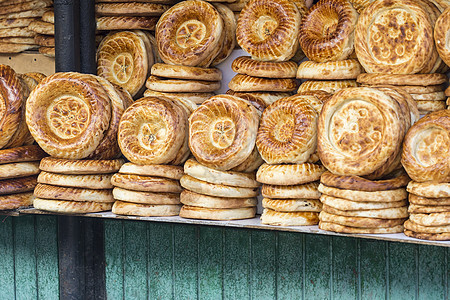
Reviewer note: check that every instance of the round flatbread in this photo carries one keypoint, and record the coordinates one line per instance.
(409, 225)
(277, 218)
(217, 190)
(80, 167)
(16, 201)
(385, 213)
(427, 209)
(169, 85)
(348, 229)
(305, 191)
(197, 98)
(344, 204)
(433, 219)
(360, 222)
(228, 34)
(199, 200)
(332, 70)
(21, 154)
(145, 210)
(185, 72)
(378, 196)
(222, 132)
(172, 172)
(292, 205)
(146, 183)
(428, 236)
(18, 185)
(269, 69)
(71, 207)
(56, 102)
(414, 199)
(130, 9)
(289, 174)
(146, 197)
(330, 86)
(99, 181)
(126, 23)
(15, 170)
(350, 145)
(54, 192)
(357, 183)
(42, 27)
(402, 79)
(245, 83)
(220, 214)
(429, 189)
(288, 131)
(238, 179)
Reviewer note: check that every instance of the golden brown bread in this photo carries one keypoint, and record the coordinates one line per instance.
(166, 171)
(402, 79)
(224, 214)
(429, 189)
(185, 72)
(229, 33)
(427, 209)
(364, 196)
(361, 222)
(42, 27)
(349, 229)
(445, 236)
(145, 197)
(15, 201)
(288, 131)
(292, 205)
(332, 70)
(199, 200)
(289, 174)
(126, 23)
(56, 102)
(248, 66)
(268, 31)
(350, 205)
(145, 210)
(352, 182)
(54, 192)
(245, 83)
(359, 129)
(434, 219)
(18, 185)
(160, 84)
(21, 22)
(130, 9)
(71, 207)
(306, 191)
(327, 31)
(408, 46)
(21, 154)
(188, 32)
(146, 183)
(426, 148)
(98, 181)
(330, 86)
(152, 131)
(222, 132)
(277, 218)
(414, 199)
(80, 167)
(24, 6)
(38, 12)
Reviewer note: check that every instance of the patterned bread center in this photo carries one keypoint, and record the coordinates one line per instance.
(153, 133)
(223, 133)
(284, 128)
(356, 128)
(123, 66)
(393, 37)
(329, 24)
(265, 26)
(68, 117)
(190, 33)
(432, 146)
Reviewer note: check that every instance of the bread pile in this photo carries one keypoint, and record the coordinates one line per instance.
(287, 140)
(153, 136)
(268, 31)
(327, 39)
(220, 183)
(15, 17)
(192, 37)
(44, 30)
(360, 134)
(19, 168)
(75, 186)
(128, 14)
(426, 159)
(427, 90)
(125, 58)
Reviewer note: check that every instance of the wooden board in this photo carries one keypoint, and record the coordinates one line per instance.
(29, 62)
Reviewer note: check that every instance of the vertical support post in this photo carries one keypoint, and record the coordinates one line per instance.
(87, 37)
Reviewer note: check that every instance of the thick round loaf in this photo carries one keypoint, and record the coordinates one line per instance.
(305, 191)
(377, 196)
(126, 23)
(332, 70)
(245, 83)
(18, 185)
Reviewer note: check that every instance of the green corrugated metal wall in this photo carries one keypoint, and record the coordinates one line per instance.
(173, 261)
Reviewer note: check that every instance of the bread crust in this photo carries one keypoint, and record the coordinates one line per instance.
(169, 85)
(414, 199)
(377, 196)
(165, 171)
(361, 222)
(292, 174)
(18, 185)
(15, 201)
(428, 236)
(150, 198)
(42, 27)
(277, 218)
(126, 23)
(21, 154)
(348, 229)
(54, 192)
(195, 199)
(429, 189)
(130, 9)
(248, 66)
(193, 212)
(292, 205)
(98, 181)
(145, 210)
(80, 167)
(305, 191)
(71, 207)
(185, 72)
(402, 79)
(330, 86)
(349, 205)
(333, 70)
(245, 83)
(146, 183)
(20, 169)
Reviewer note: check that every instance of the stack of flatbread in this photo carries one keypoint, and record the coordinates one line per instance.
(220, 182)
(287, 142)
(75, 186)
(15, 17)
(361, 131)
(426, 159)
(327, 39)
(153, 136)
(19, 168)
(352, 204)
(76, 116)
(427, 90)
(125, 58)
(147, 190)
(44, 30)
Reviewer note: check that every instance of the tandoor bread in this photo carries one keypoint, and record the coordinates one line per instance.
(15, 201)
(251, 164)
(414, 199)
(80, 167)
(18, 185)
(166, 171)
(146, 197)
(377, 196)
(11, 103)
(229, 33)
(349, 205)
(53, 106)
(185, 72)
(152, 130)
(21, 169)
(333, 70)
(99, 181)
(445, 236)
(288, 131)
(126, 23)
(289, 174)
(146, 183)
(361, 222)
(303, 218)
(198, 200)
(222, 132)
(145, 210)
(408, 46)
(441, 30)
(292, 205)
(24, 6)
(359, 129)
(268, 30)
(193, 212)
(248, 66)
(188, 33)
(169, 85)
(349, 229)
(130, 9)
(429, 189)
(123, 60)
(306, 191)
(238, 179)
(402, 79)
(245, 83)
(21, 154)
(426, 148)
(71, 207)
(217, 190)
(47, 191)
(327, 31)
(330, 86)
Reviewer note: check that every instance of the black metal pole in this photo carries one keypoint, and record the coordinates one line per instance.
(70, 229)
(87, 37)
